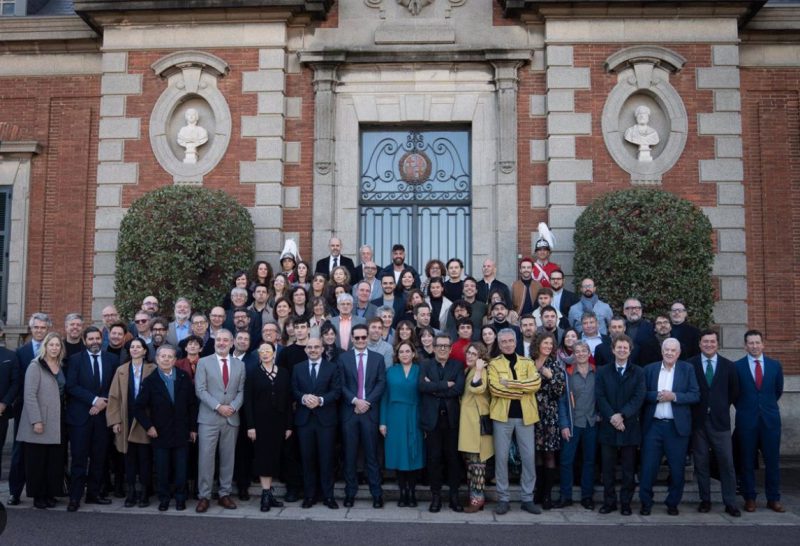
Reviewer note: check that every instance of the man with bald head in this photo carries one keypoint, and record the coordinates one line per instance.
(367, 258)
(590, 302)
(671, 390)
(335, 259)
(489, 282)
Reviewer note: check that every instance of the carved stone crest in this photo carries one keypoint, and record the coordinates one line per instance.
(415, 6)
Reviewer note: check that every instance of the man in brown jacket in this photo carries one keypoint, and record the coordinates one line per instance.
(524, 290)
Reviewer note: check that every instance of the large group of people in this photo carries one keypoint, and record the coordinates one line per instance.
(372, 374)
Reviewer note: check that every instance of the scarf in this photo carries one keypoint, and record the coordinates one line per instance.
(589, 303)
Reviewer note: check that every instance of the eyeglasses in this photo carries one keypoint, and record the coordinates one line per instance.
(447, 346)
(632, 307)
(677, 310)
(359, 338)
(159, 329)
(142, 321)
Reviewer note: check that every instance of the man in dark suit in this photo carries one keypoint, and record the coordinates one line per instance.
(667, 423)
(620, 391)
(335, 259)
(758, 420)
(563, 299)
(167, 409)
(636, 327)
(603, 353)
(711, 422)
(399, 265)
(39, 325)
(316, 387)
(9, 385)
(366, 256)
(388, 298)
(489, 283)
(441, 383)
(363, 382)
(89, 376)
(687, 334)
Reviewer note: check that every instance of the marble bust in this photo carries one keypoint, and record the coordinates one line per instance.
(192, 136)
(642, 134)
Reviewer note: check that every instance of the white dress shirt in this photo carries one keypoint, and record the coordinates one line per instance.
(665, 379)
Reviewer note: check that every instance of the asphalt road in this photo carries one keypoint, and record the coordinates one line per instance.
(29, 526)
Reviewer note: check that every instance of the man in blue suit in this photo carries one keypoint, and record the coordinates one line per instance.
(671, 388)
(39, 325)
(363, 382)
(316, 388)
(758, 420)
(89, 376)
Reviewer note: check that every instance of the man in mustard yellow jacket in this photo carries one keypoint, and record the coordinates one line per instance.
(513, 382)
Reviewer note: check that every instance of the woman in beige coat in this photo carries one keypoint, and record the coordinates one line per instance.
(476, 447)
(41, 423)
(129, 436)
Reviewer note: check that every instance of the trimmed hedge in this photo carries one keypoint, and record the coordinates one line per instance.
(648, 244)
(181, 241)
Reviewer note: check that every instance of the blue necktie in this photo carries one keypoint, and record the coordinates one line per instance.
(96, 369)
(621, 370)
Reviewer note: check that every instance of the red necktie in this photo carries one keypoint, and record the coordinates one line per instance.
(225, 372)
(759, 375)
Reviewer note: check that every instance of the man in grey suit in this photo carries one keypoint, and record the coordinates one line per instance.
(219, 384)
(345, 321)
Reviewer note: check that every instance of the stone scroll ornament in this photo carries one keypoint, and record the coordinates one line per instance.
(415, 6)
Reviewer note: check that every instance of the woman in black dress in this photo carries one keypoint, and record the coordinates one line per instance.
(268, 409)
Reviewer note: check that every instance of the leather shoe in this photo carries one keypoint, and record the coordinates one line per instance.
(705, 507)
(733, 511)
(331, 503)
(673, 510)
(51, 502)
(377, 502)
(349, 502)
(562, 503)
(644, 511)
(180, 506)
(776, 506)
(163, 506)
(307, 503)
(227, 502)
(436, 503)
(130, 502)
(531, 508)
(244, 495)
(97, 500)
(144, 501)
(73, 506)
(291, 496)
(502, 508)
(455, 506)
(607, 509)
(625, 510)
(202, 506)
(587, 504)
(13, 500)
(750, 505)
(40, 504)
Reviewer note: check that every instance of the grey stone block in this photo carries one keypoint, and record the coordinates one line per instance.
(537, 63)
(733, 338)
(727, 100)
(117, 173)
(725, 216)
(112, 106)
(121, 84)
(722, 123)
(579, 170)
(291, 197)
(564, 216)
(108, 196)
(730, 193)
(559, 55)
(538, 150)
(730, 312)
(729, 147)
(731, 240)
(269, 148)
(721, 170)
(115, 62)
(292, 152)
(733, 288)
(718, 78)
(294, 107)
(730, 264)
(567, 262)
(119, 128)
(269, 242)
(260, 171)
(263, 80)
(725, 55)
(105, 263)
(560, 100)
(110, 150)
(271, 103)
(538, 107)
(538, 197)
(269, 194)
(262, 126)
(569, 124)
(562, 193)
(568, 78)
(561, 147)
(564, 239)
(108, 217)
(266, 217)
(271, 58)
(105, 240)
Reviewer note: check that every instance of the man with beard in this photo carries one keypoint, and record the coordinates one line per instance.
(388, 298)
(500, 320)
(158, 327)
(590, 302)
(73, 339)
(651, 346)
(604, 354)
(180, 327)
(524, 289)
(550, 324)
(399, 265)
(260, 311)
(636, 327)
(478, 311)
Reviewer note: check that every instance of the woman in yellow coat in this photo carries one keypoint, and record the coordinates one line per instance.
(476, 445)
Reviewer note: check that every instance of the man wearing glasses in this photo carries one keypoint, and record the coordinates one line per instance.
(638, 328)
(441, 383)
(687, 334)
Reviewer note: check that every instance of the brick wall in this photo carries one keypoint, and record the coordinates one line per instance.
(61, 114)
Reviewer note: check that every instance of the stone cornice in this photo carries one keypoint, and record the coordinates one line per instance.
(409, 55)
(59, 34)
(20, 147)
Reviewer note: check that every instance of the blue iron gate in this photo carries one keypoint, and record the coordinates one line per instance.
(416, 189)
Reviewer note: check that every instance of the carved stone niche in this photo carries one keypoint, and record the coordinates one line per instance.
(192, 78)
(643, 74)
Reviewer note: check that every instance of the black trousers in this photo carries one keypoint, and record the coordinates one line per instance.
(243, 462)
(44, 470)
(138, 461)
(3, 433)
(89, 445)
(628, 460)
(442, 451)
(171, 460)
(316, 443)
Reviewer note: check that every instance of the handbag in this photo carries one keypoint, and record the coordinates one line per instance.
(487, 428)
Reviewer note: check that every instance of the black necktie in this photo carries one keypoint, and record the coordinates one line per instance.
(96, 368)
(336, 261)
(621, 369)
(313, 372)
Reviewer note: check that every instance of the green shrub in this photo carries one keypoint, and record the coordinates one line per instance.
(181, 241)
(649, 244)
